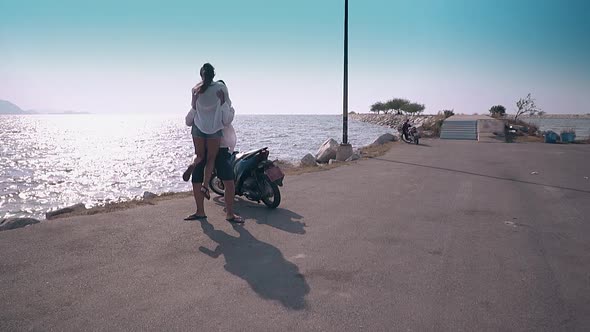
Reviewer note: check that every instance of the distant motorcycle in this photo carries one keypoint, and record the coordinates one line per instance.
(509, 133)
(413, 135)
(256, 178)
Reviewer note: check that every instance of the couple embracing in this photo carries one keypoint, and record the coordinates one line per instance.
(214, 140)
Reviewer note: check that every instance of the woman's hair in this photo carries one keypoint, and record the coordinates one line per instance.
(207, 73)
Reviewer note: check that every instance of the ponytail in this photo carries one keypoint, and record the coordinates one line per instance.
(207, 74)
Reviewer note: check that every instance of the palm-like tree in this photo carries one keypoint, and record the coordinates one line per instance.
(413, 108)
(498, 110)
(396, 104)
(378, 107)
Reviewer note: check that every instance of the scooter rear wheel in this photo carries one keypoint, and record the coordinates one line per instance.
(217, 185)
(271, 201)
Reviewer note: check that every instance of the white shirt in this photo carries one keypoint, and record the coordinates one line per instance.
(208, 117)
(229, 138)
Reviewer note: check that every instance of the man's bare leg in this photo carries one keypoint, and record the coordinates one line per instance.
(197, 158)
(230, 192)
(211, 150)
(229, 195)
(199, 200)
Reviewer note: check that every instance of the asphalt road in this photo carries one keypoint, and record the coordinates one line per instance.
(449, 236)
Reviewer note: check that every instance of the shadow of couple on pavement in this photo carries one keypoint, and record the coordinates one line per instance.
(260, 264)
(278, 218)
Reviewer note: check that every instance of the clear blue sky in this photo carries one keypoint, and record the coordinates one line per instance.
(286, 56)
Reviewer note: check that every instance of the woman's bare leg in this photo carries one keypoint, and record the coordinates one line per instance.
(212, 149)
(200, 149)
(198, 156)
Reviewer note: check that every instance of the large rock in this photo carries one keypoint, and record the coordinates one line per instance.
(308, 160)
(149, 195)
(384, 139)
(327, 151)
(69, 209)
(12, 223)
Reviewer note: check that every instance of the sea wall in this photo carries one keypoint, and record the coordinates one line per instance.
(395, 121)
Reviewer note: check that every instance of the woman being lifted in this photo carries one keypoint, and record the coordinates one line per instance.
(208, 98)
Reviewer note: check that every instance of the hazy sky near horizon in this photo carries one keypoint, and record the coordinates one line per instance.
(285, 57)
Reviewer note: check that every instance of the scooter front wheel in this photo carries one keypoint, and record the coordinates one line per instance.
(217, 185)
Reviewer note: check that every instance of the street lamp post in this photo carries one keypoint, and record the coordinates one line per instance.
(345, 90)
(345, 149)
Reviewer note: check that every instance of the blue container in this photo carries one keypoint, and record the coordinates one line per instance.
(551, 137)
(568, 137)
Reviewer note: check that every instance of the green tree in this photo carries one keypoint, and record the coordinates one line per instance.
(378, 107)
(498, 111)
(526, 106)
(413, 108)
(396, 104)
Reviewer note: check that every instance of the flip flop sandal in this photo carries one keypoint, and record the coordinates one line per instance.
(187, 174)
(195, 217)
(236, 219)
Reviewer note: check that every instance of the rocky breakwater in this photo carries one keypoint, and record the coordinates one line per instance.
(424, 123)
(326, 153)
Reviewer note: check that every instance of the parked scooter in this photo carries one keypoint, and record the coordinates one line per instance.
(256, 178)
(413, 135)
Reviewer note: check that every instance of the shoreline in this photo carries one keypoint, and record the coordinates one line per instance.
(149, 198)
(290, 168)
(287, 168)
(134, 166)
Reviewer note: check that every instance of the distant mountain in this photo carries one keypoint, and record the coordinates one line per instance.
(73, 112)
(54, 112)
(7, 107)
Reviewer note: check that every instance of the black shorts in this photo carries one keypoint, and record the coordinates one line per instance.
(223, 167)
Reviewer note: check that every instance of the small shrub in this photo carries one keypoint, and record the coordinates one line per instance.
(435, 125)
(448, 113)
(497, 111)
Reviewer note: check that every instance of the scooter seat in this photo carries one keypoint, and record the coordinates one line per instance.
(247, 154)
